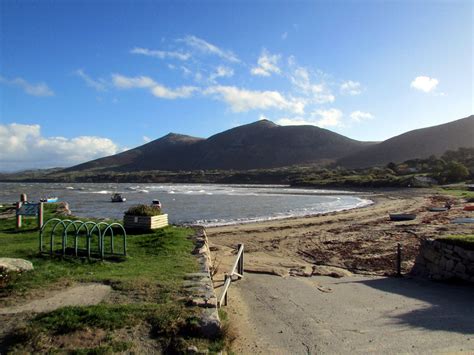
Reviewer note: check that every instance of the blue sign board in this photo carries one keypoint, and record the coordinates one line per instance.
(28, 209)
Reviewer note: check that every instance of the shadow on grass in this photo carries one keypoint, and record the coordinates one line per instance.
(450, 304)
(14, 230)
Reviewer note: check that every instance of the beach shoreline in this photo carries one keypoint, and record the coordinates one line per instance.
(360, 240)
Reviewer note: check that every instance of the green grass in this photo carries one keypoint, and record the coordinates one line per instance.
(159, 258)
(148, 282)
(457, 191)
(463, 241)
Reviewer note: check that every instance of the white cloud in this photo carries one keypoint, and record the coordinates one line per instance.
(40, 89)
(267, 64)
(351, 88)
(241, 100)
(99, 84)
(322, 118)
(161, 54)
(167, 93)
(208, 48)
(424, 83)
(221, 72)
(125, 82)
(146, 139)
(156, 89)
(295, 121)
(301, 79)
(328, 118)
(185, 70)
(23, 147)
(359, 116)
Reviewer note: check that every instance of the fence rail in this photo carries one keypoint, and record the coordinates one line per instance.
(237, 270)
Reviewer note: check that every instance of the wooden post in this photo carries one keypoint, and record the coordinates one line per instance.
(399, 260)
(23, 198)
(18, 217)
(40, 215)
(225, 297)
(241, 262)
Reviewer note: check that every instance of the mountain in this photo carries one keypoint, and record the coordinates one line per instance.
(170, 152)
(264, 144)
(420, 143)
(259, 145)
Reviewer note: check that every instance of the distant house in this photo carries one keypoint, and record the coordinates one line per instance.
(423, 181)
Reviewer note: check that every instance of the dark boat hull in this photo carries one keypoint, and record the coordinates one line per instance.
(402, 217)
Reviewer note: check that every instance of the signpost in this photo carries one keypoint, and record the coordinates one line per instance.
(24, 208)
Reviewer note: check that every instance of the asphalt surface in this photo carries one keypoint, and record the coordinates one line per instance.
(323, 315)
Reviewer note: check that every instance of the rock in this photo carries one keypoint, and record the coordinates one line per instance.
(330, 271)
(209, 323)
(63, 209)
(192, 350)
(15, 265)
(449, 265)
(431, 255)
(461, 252)
(470, 255)
(460, 269)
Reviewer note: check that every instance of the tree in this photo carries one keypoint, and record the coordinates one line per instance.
(455, 172)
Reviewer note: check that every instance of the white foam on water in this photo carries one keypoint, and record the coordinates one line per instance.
(302, 212)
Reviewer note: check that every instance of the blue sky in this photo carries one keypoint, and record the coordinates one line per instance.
(84, 79)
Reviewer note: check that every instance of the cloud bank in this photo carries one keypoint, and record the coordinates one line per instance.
(23, 147)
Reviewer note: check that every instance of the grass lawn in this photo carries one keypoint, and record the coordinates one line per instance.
(147, 288)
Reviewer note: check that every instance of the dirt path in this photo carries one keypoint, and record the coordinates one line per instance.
(81, 295)
(360, 314)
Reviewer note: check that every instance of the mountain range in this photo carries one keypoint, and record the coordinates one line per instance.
(264, 144)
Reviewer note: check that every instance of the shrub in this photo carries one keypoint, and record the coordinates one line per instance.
(143, 210)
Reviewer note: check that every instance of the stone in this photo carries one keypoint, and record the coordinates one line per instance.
(442, 263)
(461, 252)
(431, 255)
(192, 350)
(460, 269)
(449, 264)
(15, 265)
(209, 323)
(470, 255)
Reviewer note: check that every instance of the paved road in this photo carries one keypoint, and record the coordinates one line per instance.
(322, 315)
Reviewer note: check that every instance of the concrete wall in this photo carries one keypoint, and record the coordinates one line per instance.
(441, 261)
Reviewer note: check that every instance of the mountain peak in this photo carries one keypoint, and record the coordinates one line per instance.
(264, 123)
(177, 138)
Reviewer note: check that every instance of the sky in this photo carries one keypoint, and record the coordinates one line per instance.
(85, 79)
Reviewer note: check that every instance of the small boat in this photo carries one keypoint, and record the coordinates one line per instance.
(437, 209)
(117, 198)
(469, 208)
(156, 203)
(462, 220)
(402, 217)
(49, 199)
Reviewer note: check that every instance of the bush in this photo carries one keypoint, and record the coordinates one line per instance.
(143, 210)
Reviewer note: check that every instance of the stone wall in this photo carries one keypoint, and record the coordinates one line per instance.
(442, 261)
(200, 289)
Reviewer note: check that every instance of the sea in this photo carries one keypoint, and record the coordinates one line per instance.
(204, 204)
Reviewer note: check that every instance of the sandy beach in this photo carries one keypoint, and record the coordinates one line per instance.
(362, 240)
